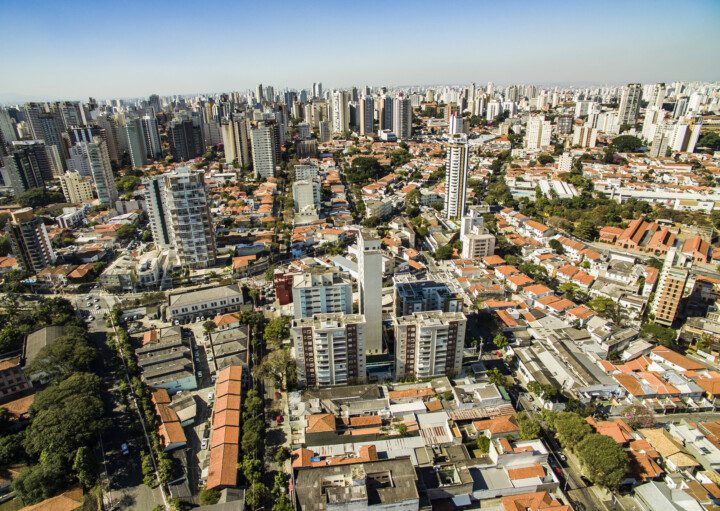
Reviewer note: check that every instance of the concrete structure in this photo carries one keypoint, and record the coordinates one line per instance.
(76, 189)
(205, 302)
(306, 193)
(367, 115)
(29, 241)
(28, 165)
(538, 133)
(584, 136)
(321, 291)
(369, 256)
(412, 296)
(670, 290)
(476, 239)
(456, 170)
(330, 349)
(179, 216)
(136, 142)
(402, 117)
(152, 137)
(264, 155)
(429, 344)
(166, 362)
(630, 103)
(101, 171)
(340, 100)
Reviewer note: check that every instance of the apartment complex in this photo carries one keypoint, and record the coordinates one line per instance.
(456, 170)
(321, 291)
(429, 344)
(412, 296)
(29, 241)
(330, 349)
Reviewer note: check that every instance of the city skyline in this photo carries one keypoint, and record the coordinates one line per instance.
(401, 44)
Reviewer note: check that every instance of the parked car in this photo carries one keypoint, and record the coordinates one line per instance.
(204, 443)
(124, 449)
(211, 396)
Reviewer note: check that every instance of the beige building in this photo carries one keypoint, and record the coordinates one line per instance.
(76, 188)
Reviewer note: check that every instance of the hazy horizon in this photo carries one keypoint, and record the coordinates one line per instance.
(77, 49)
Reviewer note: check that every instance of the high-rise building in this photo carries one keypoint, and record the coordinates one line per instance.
(29, 241)
(385, 113)
(684, 135)
(306, 194)
(564, 124)
(154, 103)
(456, 170)
(185, 137)
(264, 155)
(28, 165)
(7, 126)
(76, 188)
(321, 291)
(456, 124)
(630, 103)
(367, 115)
(412, 295)
(101, 171)
(584, 136)
(402, 117)
(429, 344)
(538, 133)
(324, 133)
(136, 142)
(330, 349)
(476, 239)
(317, 91)
(369, 259)
(670, 289)
(259, 94)
(152, 137)
(494, 108)
(340, 100)
(179, 215)
(236, 141)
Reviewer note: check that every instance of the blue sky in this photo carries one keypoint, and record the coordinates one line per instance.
(124, 48)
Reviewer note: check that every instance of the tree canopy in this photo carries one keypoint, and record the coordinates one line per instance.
(626, 143)
(603, 461)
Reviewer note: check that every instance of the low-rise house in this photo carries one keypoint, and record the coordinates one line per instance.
(205, 302)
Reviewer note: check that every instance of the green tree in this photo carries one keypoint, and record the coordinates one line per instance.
(482, 444)
(570, 429)
(256, 495)
(282, 503)
(639, 416)
(495, 376)
(252, 469)
(209, 497)
(626, 143)
(662, 335)
(126, 232)
(279, 365)
(401, 429)
(68, 354)
(500, 341)
(276, 331)
(604, 462)
(39, 197)
(5, 248)
(41, 481)
(545, 158)
(529, 426)
(84, 467)
(556, 246)
(444, 252)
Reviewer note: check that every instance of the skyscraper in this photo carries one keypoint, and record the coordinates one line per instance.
(456, 169)
(185, 137)
(367, 115)
(179, 216)
(630, 103)
(264, 156)
(402, 117)
(29, 241)
(152, 137)
(538, 133)
(369, 256)
(28, 165)
(76, 188)
(259, 95)
(340, 111)
(670, 289)
(385, 113)
(136, 142)
(101, 171)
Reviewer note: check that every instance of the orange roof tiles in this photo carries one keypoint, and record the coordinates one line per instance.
(365, 420)
(320, 423)
(535, 470)
(677, 359)
(222, 472)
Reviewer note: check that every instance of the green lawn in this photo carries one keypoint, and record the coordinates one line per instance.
(11, 505)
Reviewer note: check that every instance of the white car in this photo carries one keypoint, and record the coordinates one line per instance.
(204, 443)
(97, 307)
(211, 396)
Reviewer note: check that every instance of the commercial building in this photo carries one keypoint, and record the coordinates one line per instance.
(330, 349)
(429, 344)
(369, 255)
(321, 291)
(306, 193)
(179, 216)
(29, 241)
(205, 303)
(386, 485)
(456, 170)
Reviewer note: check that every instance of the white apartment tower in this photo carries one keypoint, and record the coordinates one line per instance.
(456, 169)
(538, 133)
(340, 103)
(584, 136)
(330, 349)
(264, 156)
(179, 216)
(402, 117)
(306, 193)
(321, 292)
(369, 256)
(101, 171)
(476, 241)
(429, 344)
